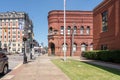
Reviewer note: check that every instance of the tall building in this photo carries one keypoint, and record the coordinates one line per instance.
(79, 32)
(106, 22)
(13, 26)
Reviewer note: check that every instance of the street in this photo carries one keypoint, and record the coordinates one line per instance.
(14, 61)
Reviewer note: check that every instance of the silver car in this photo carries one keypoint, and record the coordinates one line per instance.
(3, 63)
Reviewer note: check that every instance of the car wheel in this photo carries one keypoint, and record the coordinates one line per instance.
(5, 70)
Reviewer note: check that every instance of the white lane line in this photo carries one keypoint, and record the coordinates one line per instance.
(17, 66)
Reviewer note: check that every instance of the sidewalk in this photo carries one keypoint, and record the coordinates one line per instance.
(40, 69)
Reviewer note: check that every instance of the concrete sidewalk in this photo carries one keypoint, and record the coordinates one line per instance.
(40, 69)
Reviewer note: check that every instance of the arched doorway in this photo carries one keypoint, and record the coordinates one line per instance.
(52, 47)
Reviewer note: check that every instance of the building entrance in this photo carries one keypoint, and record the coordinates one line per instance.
(52, 46)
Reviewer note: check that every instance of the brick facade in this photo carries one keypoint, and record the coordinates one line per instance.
(79, 22)
(110, 38)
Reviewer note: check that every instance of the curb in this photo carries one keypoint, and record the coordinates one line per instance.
(12, 73)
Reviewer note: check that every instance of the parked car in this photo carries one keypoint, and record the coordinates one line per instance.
(3, 63)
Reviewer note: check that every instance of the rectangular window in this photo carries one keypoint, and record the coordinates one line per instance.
(14, 44)
(14, 49)
(104, 21)
(14, 22)
(18, 44)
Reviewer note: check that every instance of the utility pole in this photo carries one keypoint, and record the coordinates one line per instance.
(65, 31)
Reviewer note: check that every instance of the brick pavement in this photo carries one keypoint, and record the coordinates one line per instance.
(40, 69)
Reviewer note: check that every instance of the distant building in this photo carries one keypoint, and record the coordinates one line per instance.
(35, 43)
(106, 22)
(79, 32)
(13, 26)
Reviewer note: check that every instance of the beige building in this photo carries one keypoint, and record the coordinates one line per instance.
(13, 26)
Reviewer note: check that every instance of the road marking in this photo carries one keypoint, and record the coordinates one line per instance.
(17, 66)
(8, 77)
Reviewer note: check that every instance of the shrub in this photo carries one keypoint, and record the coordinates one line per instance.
(104, 55)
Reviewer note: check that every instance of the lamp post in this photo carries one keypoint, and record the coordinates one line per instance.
(24, 57)
(30, 42)
(72, 40)
(65, 30)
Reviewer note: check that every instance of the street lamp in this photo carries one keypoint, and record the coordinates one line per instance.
(72, 40)
(24, 57)
(64, 31)
(30, 42)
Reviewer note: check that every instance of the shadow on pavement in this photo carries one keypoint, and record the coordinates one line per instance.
(1, 75)
(112, 70)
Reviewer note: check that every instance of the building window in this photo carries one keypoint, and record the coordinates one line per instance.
(82, 30)
(14, 36)
(68, 30)
(50, 30)
(5, 45)
(88, 30)
(83, 47)
(18, 44)
(8, 32)
(64, 48)
(14, 44)
(91, 47)
(14, 32)
(75, 29)
(14, 22)
(14, 49)
(18, 36)
(62, 30)
(104, 47)
(74, 48)
(14, 40)
(18, 32)
(104, 21)
(18, 49)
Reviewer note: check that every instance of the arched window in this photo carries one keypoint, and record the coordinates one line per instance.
(68, 31)
(88, 30)
(62, 30)
(74, 48)
(64, 47)
(91, 47)
(50, 29)
(82, 30)
(83, 47)
(75, 29)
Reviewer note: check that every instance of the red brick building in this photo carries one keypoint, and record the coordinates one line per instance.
(79, 32)
(106, 22)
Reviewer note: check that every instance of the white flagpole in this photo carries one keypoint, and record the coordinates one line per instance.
(65, 31)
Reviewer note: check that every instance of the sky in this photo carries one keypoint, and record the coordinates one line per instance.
(38, 12)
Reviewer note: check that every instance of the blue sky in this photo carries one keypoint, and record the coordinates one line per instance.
(38, 11)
